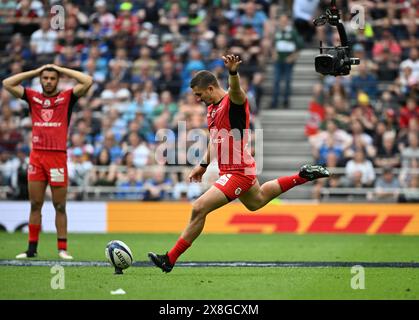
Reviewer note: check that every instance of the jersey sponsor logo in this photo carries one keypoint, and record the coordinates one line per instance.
(59, 100)
(47, 124)
(46, 115)
(47, 103)
(57, 174)
(37, 100)
(223, 179)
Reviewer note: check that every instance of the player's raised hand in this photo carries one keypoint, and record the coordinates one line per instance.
(196, 174)
(232, 62)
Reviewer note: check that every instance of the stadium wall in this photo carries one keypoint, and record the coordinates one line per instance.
(171, 217)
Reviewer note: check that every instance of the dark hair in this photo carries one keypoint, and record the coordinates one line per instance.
(98, 160)
(203, 79)
(51, 70)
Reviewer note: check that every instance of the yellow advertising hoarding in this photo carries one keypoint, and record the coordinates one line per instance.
(172, 217)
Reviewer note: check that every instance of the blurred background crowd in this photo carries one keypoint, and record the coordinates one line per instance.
(367, 124)
(142, 55)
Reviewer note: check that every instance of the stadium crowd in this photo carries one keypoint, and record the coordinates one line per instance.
(367, 124)
(142, 55)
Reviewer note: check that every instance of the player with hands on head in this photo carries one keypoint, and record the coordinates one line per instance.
(50, 112)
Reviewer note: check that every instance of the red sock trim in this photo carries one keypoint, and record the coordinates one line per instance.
(180, 247)
(34, 230)
(62, 244)
(290, 182)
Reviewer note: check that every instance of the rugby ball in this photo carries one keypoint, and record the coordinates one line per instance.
(118, 254)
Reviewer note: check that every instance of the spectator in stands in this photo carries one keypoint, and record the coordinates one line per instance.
(105, 173)
(387, 186)
(365, 81)
(113, 147)
(319, 192)
(131, 185)
(169, 80)
(387, 65)
(195, 63)
(316, 109)
(43, 41)
(410, 154)
(359, 51)
(359, 171)
(185, 191)
(79, 168)
(90, 67)
(105, 19)
(408, 112)
(388, 154)
(90, 123)
(409, 34)
(329, 149)
(412, 62)
(287, 45)
(365, 113)
(387, 42)
(407, 80)
(10, 136)
(149, 11)
(410, 193)
(78, 141)
(7, 10)
(387, 101)
(303, 13)
(173, 19)
(158, 186)
(342, 113)
(339, 137)
(18, 50)
(126, 24)
(118, 72)
(167, 107)
(26, 20)
(138, 147)
(150, 98)
(144, 60)
(246, 44)
(254, 17)
(18, 179)
(360, 140)
(69, 58)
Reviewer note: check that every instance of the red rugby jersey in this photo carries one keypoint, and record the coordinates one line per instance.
(228, 124)
(50, 118)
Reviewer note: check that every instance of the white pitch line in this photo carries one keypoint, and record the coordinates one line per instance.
(201, 264)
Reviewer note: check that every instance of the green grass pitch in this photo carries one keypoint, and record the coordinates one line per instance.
(227, 283)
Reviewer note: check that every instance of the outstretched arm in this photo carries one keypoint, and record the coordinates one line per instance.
(13, 83)
(235, 92)
(84, 81)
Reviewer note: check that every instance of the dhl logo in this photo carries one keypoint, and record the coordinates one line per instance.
(274, 218)
(322, 223)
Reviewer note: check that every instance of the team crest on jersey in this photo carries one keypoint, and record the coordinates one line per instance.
(46, 115)
(213, 113)
(47, 103)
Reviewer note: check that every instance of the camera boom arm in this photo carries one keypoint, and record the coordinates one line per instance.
(332, 17)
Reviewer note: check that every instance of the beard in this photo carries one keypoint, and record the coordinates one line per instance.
(49, 90)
